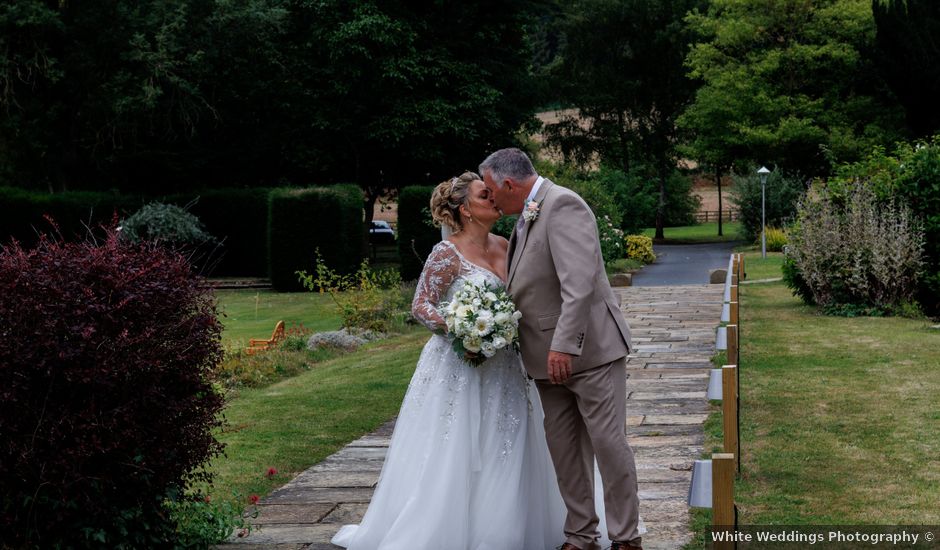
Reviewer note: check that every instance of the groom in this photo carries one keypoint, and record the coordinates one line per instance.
(574, 344)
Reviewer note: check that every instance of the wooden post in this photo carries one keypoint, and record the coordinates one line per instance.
(723, 495)
(733, 311)
(741, 273)
(729, 410)
(734, 278)
(734, 292)
(732, 344)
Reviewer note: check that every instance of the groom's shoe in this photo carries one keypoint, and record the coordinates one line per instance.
(624, 546)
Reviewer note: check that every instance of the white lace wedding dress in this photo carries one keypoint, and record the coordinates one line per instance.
(468, 467)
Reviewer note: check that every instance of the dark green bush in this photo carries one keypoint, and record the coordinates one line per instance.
(239, 219)
(22, 213)
(166, 223)
(416, 235)
(301, 221)
(628, 199)
(782, 192)
(795, 281)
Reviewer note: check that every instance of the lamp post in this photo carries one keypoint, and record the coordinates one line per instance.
(763, 209)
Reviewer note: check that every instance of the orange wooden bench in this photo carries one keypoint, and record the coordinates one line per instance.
(258, 344)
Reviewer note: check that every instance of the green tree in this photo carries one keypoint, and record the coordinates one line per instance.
(136, 95)
(622, 66)
(910, 58)
(786, 82)
(405, 92)
(160, 95)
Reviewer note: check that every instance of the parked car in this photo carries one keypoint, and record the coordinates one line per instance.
(381, 233)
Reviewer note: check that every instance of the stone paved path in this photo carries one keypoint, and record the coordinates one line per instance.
(673, 332)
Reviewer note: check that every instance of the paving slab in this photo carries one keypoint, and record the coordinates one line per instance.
(674, 339)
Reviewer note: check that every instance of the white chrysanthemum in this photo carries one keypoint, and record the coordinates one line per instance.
(452, 307)
(483, 325)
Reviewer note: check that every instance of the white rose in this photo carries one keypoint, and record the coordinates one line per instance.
(516, 315)
(463, 311)
(499, 342)
(472, 343)
(490, 297)
(477, 302)
(488, 349)
(502, 318)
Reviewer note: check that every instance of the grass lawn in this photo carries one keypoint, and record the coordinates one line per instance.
(701, 233)
(299, 421)
(840, 423)
(253, 313)
(758, 268)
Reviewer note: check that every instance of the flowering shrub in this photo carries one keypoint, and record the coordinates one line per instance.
(640, 248)
(367, 299)
(776, 239)
(611, 238)
(859, 251)
(106, 406)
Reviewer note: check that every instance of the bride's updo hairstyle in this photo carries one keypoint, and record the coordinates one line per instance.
(447, 198)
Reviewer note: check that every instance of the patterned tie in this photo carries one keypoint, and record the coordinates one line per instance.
(520, 224)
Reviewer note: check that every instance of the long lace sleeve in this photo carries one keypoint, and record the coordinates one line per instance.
(440, 270)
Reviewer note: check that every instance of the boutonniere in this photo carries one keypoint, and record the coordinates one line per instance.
(531, 211)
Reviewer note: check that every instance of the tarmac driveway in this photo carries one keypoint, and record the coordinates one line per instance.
(684, 264)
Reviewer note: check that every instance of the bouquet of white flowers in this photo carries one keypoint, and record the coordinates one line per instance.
(483, 320)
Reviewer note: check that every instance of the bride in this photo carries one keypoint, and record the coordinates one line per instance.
(468, 466)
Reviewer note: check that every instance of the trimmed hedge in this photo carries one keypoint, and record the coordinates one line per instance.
(22, 213)
(416, 237)
(304, 220)
(238, 218)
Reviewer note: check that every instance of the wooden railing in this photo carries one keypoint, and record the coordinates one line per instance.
(726, 466)
(727, 215)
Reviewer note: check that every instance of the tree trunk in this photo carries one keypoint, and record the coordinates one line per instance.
(718, 181)
(661, 207)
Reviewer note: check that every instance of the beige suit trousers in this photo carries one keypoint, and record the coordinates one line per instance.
(586, 418)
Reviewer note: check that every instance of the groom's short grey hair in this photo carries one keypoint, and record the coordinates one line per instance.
(507, 163)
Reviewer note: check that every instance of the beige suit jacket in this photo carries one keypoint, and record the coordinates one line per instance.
(558, 282)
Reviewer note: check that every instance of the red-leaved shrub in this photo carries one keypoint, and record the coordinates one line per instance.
(106, 403)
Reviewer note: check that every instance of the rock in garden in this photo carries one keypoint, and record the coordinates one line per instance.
(717, 276)
(621, 279)
(344, 338)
